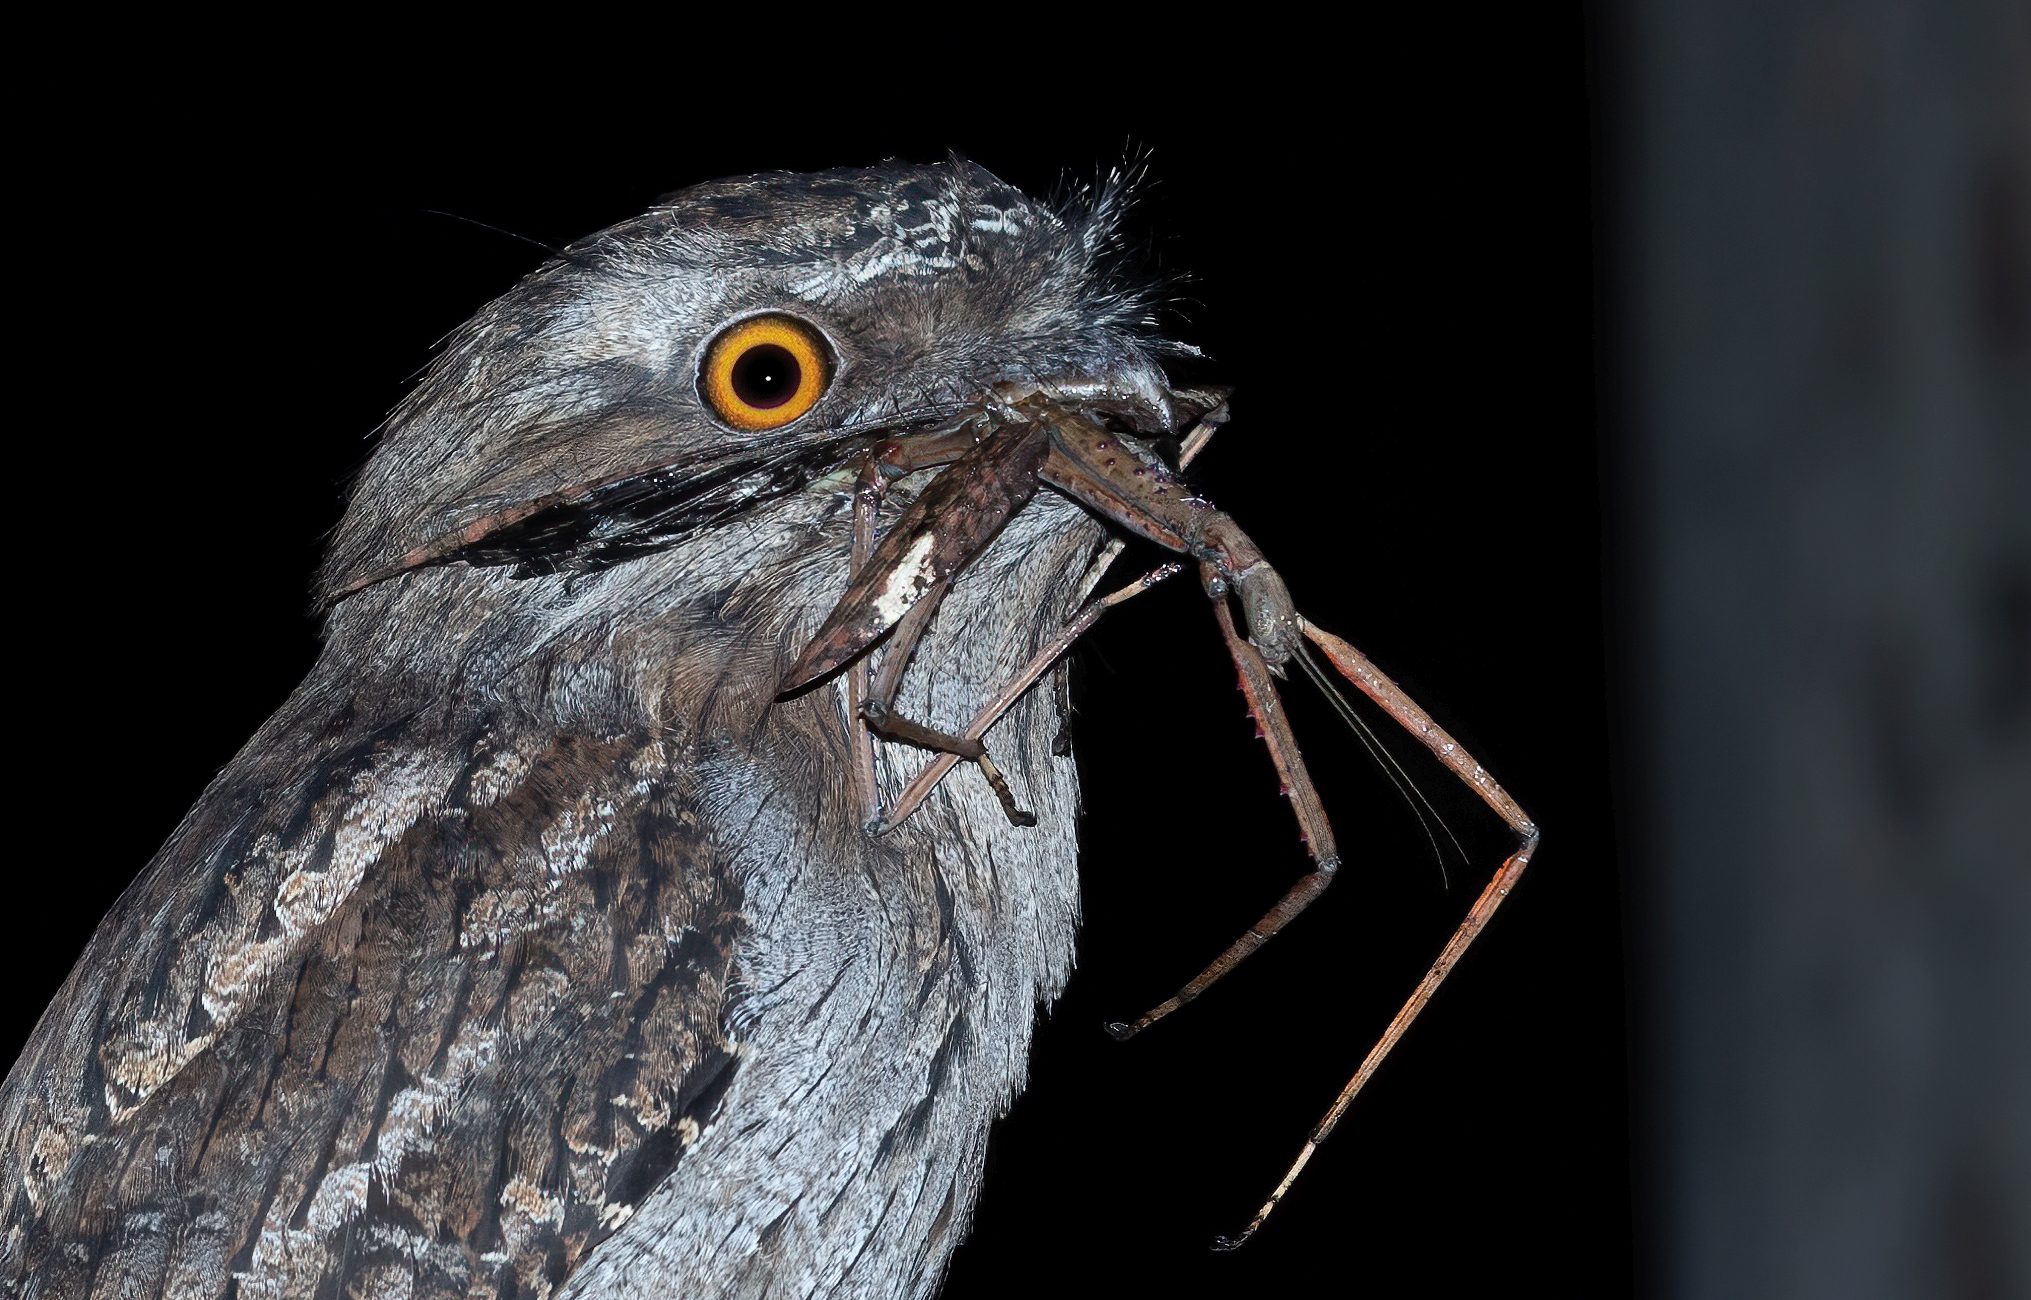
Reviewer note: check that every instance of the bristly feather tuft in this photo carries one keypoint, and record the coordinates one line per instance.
(1127, 289)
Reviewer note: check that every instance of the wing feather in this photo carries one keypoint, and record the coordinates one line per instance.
(422, 1008)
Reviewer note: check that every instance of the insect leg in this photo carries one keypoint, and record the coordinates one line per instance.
(951, 521)
(1213, 403)
(1274, 728)
(1061, 692)
(886, 462)
(878, 708)
(1356, 668)
(867, 496)
(927, 780)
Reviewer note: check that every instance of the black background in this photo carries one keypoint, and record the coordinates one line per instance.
(1392, 259)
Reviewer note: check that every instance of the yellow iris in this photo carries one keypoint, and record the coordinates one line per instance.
(765, 371)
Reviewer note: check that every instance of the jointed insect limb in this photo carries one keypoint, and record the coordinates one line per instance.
(936, 536)
(1404, 711)
(867, 497)
(927, 780)
(897, 584)
(921, 786)
(1120, 479)
(1275, 731)
(877, 710)
(869, 704)
(1061, 690)
(1356, 668)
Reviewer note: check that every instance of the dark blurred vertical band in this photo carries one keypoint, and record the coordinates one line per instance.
(1821, 271)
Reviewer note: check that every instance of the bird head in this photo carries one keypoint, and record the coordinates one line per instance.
(733, 344)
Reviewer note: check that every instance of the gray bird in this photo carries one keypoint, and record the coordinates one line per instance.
(535, 947)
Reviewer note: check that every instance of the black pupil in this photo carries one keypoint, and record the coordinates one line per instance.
(766, 375)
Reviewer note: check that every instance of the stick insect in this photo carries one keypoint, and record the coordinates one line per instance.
(991, 465)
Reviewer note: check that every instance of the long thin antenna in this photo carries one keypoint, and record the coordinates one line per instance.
(1405, 786)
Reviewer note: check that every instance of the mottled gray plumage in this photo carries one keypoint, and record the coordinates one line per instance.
(532, 948)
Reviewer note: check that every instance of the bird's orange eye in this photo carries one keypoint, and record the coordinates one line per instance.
(765, 371)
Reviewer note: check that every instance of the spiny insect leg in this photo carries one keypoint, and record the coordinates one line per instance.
(927, 780)
(867, 498)
(920, 787)
(937, 535)
(1274, 728)
(1370, 681)
(878, 708)
(1061, 694)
